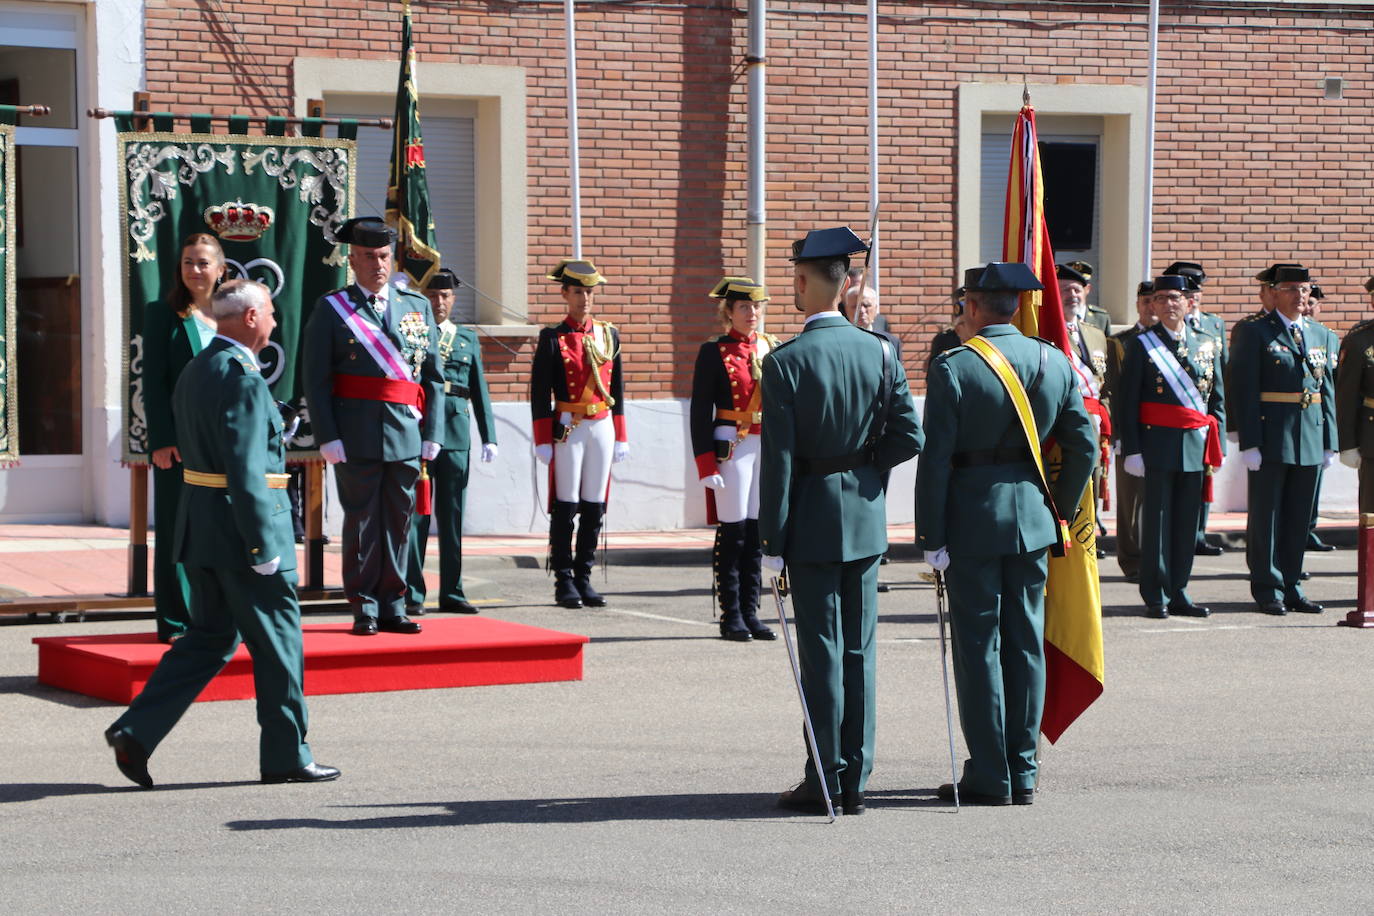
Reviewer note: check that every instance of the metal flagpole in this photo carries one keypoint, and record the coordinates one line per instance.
(801, 695)
(756, 255)
(1150, 140)
(575, 173)
(872, 135)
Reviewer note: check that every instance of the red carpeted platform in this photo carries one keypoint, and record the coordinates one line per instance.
(462, 652)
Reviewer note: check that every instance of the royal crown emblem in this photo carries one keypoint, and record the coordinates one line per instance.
(238, 221)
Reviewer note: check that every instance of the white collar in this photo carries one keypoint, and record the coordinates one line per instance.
(828, 313)
(1172, 335)
(1286, 323)
(447, 325)
(241, 348)
(381, 294)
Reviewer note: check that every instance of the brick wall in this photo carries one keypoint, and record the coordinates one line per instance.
(1253, 166)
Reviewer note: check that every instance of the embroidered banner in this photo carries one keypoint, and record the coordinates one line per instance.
(272, 201)
(9, 218)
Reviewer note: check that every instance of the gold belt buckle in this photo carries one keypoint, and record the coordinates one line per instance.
(1306, 400)
(758, 416)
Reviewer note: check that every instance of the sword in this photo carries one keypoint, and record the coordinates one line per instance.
(806, 713)
(940, 611)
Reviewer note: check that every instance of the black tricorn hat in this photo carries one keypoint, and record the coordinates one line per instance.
(1369, 285)
(366, 232)
(1187, 269)
(576, 272)
(1065, 272)
(1290, 273)
(444, 278)
(1267, 275)
(1316, 292)
(1003, 276)
(827, 244)
(1145, 288)
(1171, 282)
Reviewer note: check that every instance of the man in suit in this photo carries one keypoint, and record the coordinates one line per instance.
(837, 413)
(376, 402)
(987, 519)
(233, 536)
(1355, 407)
(1128, 487)
(1170, 408)
(465, 398)
(1283, 395)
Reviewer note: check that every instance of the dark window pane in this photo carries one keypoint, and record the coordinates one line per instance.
(1070, 171)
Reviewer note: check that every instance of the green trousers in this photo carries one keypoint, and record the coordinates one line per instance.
(171, 593)
(997, 620)
(1280, 506)
(1168, 535)
(449, 473)
(226, 606)
(836, 610)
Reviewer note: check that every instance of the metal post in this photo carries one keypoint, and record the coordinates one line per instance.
(757, 243)
(575, 169)
(871, 273)
(1148, 242)
(138, 473)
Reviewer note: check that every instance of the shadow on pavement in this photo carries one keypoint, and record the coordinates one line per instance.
(35, 791)
(28, 686)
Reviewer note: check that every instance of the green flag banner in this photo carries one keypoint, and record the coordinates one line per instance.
(273, 202)
(407, 192)
(9, 220)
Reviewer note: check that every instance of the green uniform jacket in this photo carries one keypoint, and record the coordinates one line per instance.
(819, 393)
(998, 509)
(1097, 317)
(1232, 413)
(460, 361)
(1111, 385)
(1264, 358)
(1354, 383)
(228, 423)
(166, 351)
(372, 430)
(1162, 447)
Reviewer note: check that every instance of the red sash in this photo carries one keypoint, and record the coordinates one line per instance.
(372, 388)
(1176, 416)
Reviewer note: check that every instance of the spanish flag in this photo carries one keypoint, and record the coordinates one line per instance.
(1073, 598)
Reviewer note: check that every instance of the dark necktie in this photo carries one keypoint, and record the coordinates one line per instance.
(1296, 330)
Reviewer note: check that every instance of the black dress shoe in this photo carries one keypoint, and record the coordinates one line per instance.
(760, 631)
(1207, 550)
(1271, 607)
(415, 610)
(1156, 612)
(1190, 610)
(400, 624)
(311, 772)
(1303, 606)
(1317, 545)
(969, 797)
(736, 635)
(130, 756)
(853, 801)
(365, 626)
(882, 587)
(1023, 796)
(461, 606)
(1304, 575)
(1101, 554)
(806, 801)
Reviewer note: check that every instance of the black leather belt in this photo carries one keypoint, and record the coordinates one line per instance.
(460, 391)
(850, 462)
(983, 456)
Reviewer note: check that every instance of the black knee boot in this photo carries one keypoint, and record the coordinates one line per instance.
(561, 554)
(729, 542)
(588, 531)
(751, 581)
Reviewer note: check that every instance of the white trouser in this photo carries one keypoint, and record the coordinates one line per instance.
(582, 464)
(739, 498)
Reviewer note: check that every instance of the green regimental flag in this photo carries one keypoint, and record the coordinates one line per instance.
(9, 219)
(407, 191)
(273, 202)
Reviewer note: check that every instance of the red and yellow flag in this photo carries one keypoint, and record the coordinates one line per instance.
(1074, 667)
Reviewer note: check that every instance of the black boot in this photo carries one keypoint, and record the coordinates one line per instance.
(561, 554)
(751, 581)
(588, 531)
(725, 567)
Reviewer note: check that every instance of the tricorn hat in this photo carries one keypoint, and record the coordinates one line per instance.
(827, 244)
(366, 231)
(1290, 273)
(1004, 276)
(576, 272)
(1171, 282)
(444, 278)
(1187, 269)
(1267, 275)
(739, 288)
(1145, 288)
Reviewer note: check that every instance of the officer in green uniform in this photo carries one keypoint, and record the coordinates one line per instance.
(233, 536)
(1091, 315)
(837, 413)
(1170, 407)
(1283, 394)
(985, 522)
(1201, 320)
(1331, 343)
(1355, 404)
(1128, 487)
(465, 397)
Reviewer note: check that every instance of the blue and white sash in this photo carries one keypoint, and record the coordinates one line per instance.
(1180, 382)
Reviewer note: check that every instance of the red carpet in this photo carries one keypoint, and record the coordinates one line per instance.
(464, 652)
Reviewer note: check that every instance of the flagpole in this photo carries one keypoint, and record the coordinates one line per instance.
(1148, 241)
(871, 275)
(757, 218)
(575, 170)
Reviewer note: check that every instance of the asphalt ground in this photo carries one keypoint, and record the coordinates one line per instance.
(1227, 769)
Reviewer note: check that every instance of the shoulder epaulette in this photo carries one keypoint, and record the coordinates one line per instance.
(1362, 326)
(250, 365)
(604, 324)
(773, 342)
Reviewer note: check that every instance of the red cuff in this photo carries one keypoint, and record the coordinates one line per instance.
(619, 421)
(543, 431)
(706, 465)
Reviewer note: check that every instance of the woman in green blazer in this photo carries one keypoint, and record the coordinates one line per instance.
(174, 330)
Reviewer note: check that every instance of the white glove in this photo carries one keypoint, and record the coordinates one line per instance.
(544, 453)
(939, 559)
(714, 482)
(1328, 458)
(266, 569)
(1252, 458)
(1134, 465)
(332, 451)
(621, 452)
(429, 450)
(774, 565)
(1351, 458)
(488, 452)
